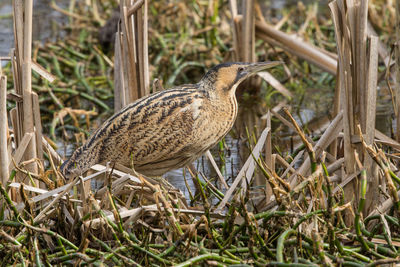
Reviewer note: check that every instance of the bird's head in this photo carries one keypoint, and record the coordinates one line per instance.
(77, 164)
(68, 169)
(226, 77)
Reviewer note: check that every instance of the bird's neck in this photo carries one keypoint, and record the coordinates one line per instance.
(208, 89)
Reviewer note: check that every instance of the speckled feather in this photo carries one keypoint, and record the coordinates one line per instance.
(166, 130)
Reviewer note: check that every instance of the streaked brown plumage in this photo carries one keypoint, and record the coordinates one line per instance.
(169, 129)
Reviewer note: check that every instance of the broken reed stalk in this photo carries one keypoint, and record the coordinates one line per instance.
(308, 145)
(296, 47)
(383, 163)
(326, 139)
(247, 170)
(131, 54)
(357, 80)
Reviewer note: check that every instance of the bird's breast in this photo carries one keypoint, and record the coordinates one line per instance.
(214, 119)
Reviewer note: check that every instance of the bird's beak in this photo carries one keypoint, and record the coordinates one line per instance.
(259, 66)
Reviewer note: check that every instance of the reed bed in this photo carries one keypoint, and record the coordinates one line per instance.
(135, 220)
(330, 199)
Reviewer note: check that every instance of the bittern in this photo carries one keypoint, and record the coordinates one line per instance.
(168, 129)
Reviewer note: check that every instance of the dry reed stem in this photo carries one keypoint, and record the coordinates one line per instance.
(303, 137)
(38, 191)
(55, 192)
(145, 49)
(28, 119)
(131, 54)
(18, 30)
(20, 152)
(271, 80)
(344, 61)
(326, 139)
(336, 108)
(138, 22)
(128, 54)
(55, 157)
(246, 167)
(269, 159)
(345, 181)
(384, 207)
(358, 80)
(4, 160)
(296, 47)
(370, 114)
(284, 163)
(234, 12)
(397, 64)
(248, 31)
(38, 125)
(43, 72)
(16, 56)
(67, 13)
(43, 212)
(372, 76)
(132, 9)
(380, 159)
(382, 49)
(386, 140)
(120, 99)
(215, 166)
(290, 126)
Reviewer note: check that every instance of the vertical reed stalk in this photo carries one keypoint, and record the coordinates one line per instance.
(28, 124)
(248, 31)
(397, 59)
(131, 50)
(358, 79)
(3, 129)
(369, 130)
(268, 156)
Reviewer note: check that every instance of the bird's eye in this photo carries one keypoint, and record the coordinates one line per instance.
(240, 69)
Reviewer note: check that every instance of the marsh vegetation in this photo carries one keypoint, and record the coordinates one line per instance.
(314, 179)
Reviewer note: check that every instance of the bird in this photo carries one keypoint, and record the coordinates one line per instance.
(168, 129)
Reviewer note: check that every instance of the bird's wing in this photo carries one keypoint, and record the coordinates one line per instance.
(150, 129)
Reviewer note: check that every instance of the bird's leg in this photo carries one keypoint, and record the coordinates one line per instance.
(153, 180)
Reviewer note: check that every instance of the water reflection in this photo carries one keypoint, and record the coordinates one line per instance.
(230, 167)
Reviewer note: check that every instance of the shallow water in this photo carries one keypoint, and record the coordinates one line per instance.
(230, 168)
(44, 27)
